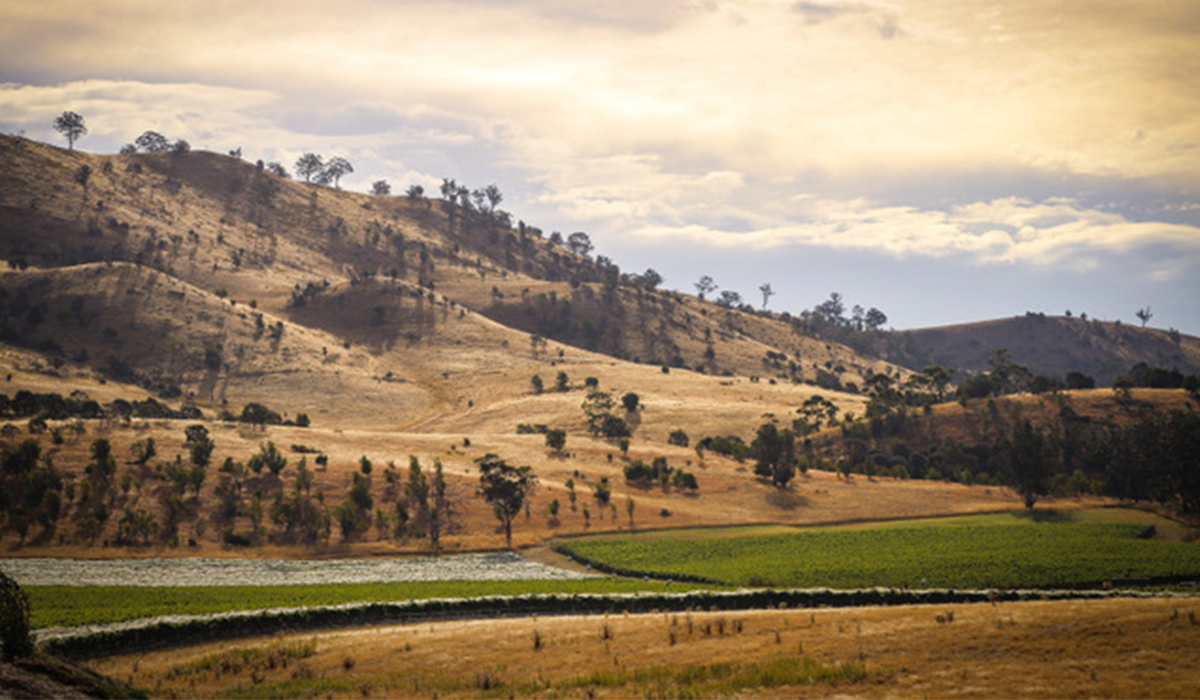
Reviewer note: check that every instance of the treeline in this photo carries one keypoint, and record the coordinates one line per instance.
(52, 406)
(1143, 454)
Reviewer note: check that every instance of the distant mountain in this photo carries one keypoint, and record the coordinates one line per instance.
(1050, 345)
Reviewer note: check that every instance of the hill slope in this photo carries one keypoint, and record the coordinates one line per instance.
(1051, 345)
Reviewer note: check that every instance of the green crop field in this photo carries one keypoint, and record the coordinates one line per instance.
(53, 606)
(993, 551)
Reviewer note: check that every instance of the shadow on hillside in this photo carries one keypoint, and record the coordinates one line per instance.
(785, 500)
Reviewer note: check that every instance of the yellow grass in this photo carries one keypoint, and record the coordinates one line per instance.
(1110, 648)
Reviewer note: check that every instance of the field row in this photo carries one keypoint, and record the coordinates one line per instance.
(499, 566)
(964, 554)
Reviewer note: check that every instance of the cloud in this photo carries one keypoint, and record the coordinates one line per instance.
(881, 16)
(1053, 233)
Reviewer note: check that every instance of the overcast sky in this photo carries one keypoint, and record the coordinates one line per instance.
(942, 160)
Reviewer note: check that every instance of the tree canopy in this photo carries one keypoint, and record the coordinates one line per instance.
(70, 125)
(505, 488)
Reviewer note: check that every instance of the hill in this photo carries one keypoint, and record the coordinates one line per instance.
(1050, 345)
(377, 328)
(238, 231)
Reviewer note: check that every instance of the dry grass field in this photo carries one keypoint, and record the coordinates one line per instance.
(1113, 648)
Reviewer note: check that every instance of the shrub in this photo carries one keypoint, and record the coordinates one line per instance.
(14, 620)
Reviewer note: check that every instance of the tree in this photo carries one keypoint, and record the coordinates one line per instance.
(1026, 462)
(536, 383)
(767, 293)
(334, 170)
(1144, 315)
(381, 188)
(505, 488)
(181, 146)
(268, 456)
(200, 445)
(82, 175)
(152, 142)
(650, 279)
(705, 286)
(556, 439)
(494, 197)
(630, 401)
(276, 168)
(414, 192)
(308, 165)
(775, 453)
(875, 319)
(70, 125)
(143, 451)
(832, 310)
(678, 437)
(579, 243)
(562, 382)
(729, 298)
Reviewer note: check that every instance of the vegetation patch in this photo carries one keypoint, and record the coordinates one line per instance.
(73, 606)
(718, 680)
(963, 553)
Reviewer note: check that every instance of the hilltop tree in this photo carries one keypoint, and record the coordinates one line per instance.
(875, 319)
(309, 165)
(381, 188)
(833, 310)
(70, 125)
(580, 243)
(494, 197)
(1144, 315)
(767, 293)
(276, 168)
(505, 488)
(334, 170)
(415, 192)
(152, 142)
(704, 286)
(729, 298)
(650, 279)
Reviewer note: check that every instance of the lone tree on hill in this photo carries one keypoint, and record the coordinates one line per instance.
(556, 439)
(505, 488)
(381, 188)
(767, 293)
(70, 124)
(705, 285)
(1144, 315)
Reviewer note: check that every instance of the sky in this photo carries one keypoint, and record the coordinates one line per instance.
(945, 161)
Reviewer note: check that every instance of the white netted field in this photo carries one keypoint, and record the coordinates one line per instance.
(504, 566)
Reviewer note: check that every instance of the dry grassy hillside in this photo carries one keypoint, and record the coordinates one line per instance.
(1052, 345)
(224, 225)
(399, 327)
